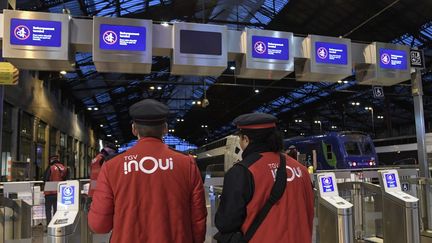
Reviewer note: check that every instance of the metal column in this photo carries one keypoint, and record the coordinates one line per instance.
(417, 92)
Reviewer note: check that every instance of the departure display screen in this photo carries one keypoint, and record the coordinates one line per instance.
(393, 59)
(270, 47)
(67, 195)
(200, 42)
(331, 53)
(327, 184)
(122, 37)
(35, 32)
(391, 181)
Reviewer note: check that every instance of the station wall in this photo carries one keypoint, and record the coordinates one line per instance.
(37, 123)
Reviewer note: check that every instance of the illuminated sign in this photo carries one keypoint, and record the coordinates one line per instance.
(122, 37)
(270, 47)
(391, 180)
(331, 53)
(327, 184)
(67, 195)
(35, 32)
(393, 59)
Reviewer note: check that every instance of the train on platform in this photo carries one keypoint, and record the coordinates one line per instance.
(335, 150)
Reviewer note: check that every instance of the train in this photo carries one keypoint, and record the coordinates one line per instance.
(335, 150)
(215, 158)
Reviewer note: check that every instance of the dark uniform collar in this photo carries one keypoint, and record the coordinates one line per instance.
(255, 148)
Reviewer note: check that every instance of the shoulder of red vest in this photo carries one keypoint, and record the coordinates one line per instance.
(250, 160)
(179, 152)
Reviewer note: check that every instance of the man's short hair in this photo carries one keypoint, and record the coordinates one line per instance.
(156, 131)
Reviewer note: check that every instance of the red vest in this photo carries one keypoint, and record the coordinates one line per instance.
(58, 173)
(151, 194)
(95, 168)
(290, 220)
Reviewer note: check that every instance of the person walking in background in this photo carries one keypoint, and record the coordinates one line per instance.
(56, 171)
(106, 153)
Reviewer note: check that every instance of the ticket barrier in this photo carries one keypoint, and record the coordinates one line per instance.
(333, 209)
(15, 223)
(400, 210)
(65, 224)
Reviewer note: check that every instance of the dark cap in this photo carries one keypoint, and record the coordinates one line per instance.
(149, 112)
(53, 158)
(255, 121)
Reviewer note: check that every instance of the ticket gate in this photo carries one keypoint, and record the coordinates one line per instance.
(334, 212)
(65, 225)
(400, 210)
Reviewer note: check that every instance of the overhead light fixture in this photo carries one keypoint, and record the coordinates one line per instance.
(298, 120)
(257, 91)
(63, 72)
(116, 141)
(339, 81)
(177, 119)
(152, 87)
(317, 122)
(198, 102)
(101, 125)
(302, 134)
(232, 68)
(89, 108)
(109, 135)
(182, 120)
(333, 127)
(380, 117)
(159, 87)
(285, 130)
(165, 24)
(345, 81)
(95, 108)
(193, 102)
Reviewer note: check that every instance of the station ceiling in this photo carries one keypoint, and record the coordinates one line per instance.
(337, 106)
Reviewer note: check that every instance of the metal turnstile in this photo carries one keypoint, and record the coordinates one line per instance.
(400, 211)
(333, 209)
(65, 225)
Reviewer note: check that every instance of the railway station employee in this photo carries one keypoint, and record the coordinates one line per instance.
(247, 187)
(150, 193)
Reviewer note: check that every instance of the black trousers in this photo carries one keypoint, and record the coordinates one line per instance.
(50, 203)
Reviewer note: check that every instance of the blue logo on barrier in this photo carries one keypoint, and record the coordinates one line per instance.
(327, 184)
(67, 195)
(122, 37)
(270, 47)
(331, 53)
(393, 59)
(35, 32)
(391, 180)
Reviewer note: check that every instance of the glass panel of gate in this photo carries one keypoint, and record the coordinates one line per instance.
(372, 211)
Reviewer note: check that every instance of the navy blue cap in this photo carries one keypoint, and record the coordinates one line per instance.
(255, 121)
(149, 112)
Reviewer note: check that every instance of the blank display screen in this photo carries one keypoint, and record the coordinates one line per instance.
(200, 42)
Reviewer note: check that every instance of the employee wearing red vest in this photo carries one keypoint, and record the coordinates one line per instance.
(247, 187)
(150, 193)
(56, 171)
(107, 153)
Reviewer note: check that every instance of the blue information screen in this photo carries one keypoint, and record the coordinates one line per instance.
(122, 37)
(331, 53)
(391, 180)
(327, 184)
(270, 47)
(67, 195)
(393, 59)
(35, 32)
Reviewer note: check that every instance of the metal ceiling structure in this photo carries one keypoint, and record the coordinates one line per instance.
(319, 106)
